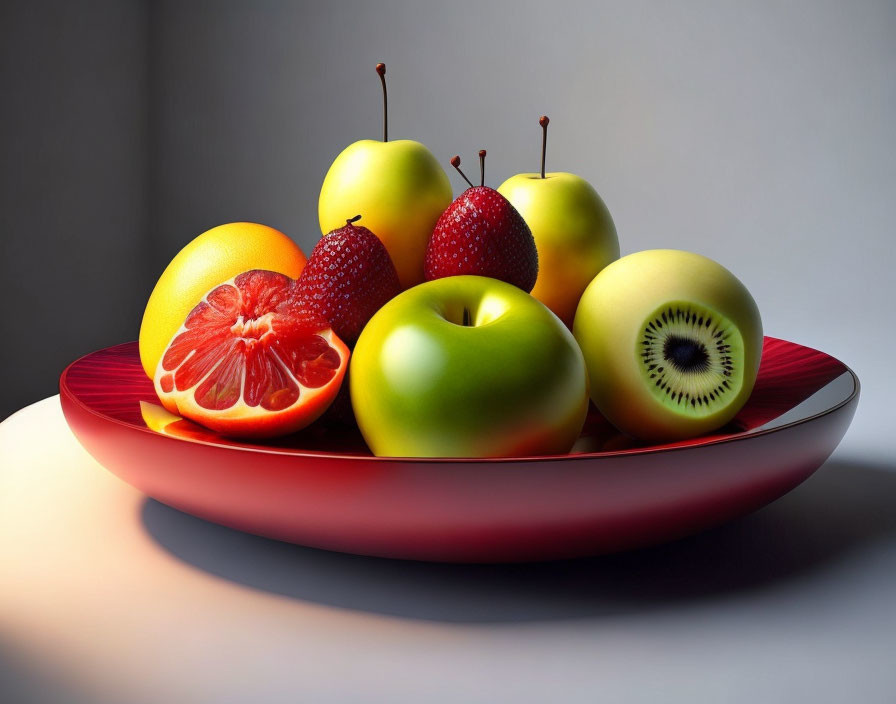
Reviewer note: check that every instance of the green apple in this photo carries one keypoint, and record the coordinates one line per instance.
(398, 188)
(467, 366)
(573, 231)
(672, 341)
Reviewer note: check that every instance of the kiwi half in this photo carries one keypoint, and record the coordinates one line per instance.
(692, 358)
(672, 341)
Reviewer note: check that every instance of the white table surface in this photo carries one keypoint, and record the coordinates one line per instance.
(107, 596)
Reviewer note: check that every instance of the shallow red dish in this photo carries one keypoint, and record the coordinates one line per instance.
(322, 487)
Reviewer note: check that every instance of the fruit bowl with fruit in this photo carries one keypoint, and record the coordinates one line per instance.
(476, 380)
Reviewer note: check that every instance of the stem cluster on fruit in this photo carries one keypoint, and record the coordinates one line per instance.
(381, 70)
(543, 121)
(455, 162)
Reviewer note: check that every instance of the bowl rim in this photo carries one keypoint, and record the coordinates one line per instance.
(694, 443)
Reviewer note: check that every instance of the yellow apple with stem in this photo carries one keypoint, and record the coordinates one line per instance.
(574, 233)
(398, 187)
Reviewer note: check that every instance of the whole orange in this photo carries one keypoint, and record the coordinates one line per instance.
(213, 257)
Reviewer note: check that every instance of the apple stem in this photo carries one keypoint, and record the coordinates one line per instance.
(455, 162)
(354, 219)
(467, 321)
(482, 167)
(381, 70)
(543, 121)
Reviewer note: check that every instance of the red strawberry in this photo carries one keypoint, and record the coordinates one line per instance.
(481, 233)
(347, 279)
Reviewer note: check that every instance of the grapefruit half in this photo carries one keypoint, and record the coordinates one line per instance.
(249, 363)
(212, 257)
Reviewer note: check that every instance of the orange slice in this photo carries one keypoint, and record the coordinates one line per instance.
(248, 363)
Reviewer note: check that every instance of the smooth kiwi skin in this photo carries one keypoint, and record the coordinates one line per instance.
(611, 316)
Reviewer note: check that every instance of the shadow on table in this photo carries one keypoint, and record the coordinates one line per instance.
(843, 507)
(26, 679)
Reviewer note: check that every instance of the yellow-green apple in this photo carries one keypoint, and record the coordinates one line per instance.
(574, 233)
(468, 366)
(399, 189)
(672, 341)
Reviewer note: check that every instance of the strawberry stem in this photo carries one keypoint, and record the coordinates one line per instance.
(455, 162)
(543, 121)
(482, 167)
(381, 70)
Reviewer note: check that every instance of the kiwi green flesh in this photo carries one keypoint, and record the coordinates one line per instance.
(691, 358)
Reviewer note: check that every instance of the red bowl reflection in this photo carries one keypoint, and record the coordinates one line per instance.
(322, 488)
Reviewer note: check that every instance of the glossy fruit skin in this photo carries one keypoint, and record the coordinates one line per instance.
(214, 256)
(513, 382)
(482, 234)
(347, 279)
(573, 232)
(613, 311)
(398, 188)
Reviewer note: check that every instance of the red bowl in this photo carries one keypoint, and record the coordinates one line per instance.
(322, 488)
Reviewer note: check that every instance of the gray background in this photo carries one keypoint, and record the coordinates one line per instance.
(759, 134)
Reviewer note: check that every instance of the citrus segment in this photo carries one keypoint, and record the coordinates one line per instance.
(249, 363)
(212, 257)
